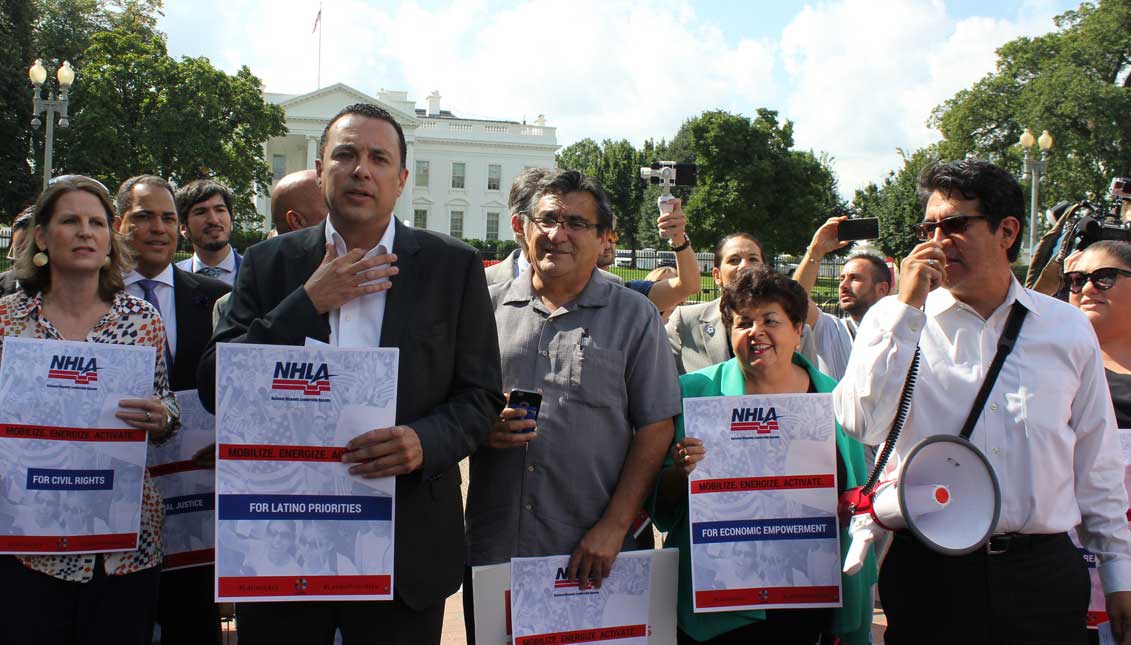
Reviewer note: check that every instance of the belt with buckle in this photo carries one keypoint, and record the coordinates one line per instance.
(1005, 543)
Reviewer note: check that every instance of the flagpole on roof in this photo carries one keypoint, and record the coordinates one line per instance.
(318, 28)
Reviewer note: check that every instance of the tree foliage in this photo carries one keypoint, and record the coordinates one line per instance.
(751, 179)
(16, 20)
(134, 109)
(896, 203)
(1071, 82)
(616, 165)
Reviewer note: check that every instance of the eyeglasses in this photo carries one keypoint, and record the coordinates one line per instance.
(1103, 279)
(952, 225)
(573, 223)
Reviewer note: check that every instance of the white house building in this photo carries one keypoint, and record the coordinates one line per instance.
(460, 170)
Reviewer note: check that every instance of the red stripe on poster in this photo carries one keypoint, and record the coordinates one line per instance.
(52, 433)
(585, 635)
(766, 596)
(789, 482)
(67, 543)
(251, 586)
(189, 558)
(257, 452)
(175, 467)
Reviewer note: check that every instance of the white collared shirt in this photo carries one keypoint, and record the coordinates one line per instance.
(227, 265)
(166, 299)
(1048, 427)
(520, 264)
(358, 322)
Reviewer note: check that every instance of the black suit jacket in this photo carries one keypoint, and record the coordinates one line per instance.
(448, 389)
(194, 296)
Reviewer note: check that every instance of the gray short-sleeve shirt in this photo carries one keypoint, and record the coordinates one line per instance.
(604, 368)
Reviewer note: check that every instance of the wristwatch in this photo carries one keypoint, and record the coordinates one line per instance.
(686, 243)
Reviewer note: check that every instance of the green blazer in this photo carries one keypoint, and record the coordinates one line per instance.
(853, 621)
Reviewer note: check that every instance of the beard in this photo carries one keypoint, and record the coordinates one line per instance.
(214, 246)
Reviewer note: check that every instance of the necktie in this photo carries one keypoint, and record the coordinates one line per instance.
(210, 272)
(149, 289)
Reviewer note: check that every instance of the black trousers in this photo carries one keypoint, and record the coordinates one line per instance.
(1035, 593)
(108, 610)
(362, 623)
(186, 609)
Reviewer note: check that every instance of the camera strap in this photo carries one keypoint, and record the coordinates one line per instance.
(1004, 346)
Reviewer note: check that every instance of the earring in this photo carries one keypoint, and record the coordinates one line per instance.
(106, 261)
(39, 259)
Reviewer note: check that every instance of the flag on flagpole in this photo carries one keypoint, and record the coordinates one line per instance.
(317, 20)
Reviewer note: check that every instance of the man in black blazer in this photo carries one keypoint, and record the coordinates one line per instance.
(329, 283)
(147, 216)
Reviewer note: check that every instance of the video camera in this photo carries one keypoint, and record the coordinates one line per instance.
(1076, 227)
(1093, 223)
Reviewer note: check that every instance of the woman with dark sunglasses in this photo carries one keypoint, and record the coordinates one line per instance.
(1098, 284)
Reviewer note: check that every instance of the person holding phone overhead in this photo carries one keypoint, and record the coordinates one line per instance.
(572, 481)
(826, 340)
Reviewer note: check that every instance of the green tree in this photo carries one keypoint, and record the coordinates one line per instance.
(616, 165)
(183, 120)
(1072, 82)
(896, 203)
(17, 18)
(134, 109)
(751, 179)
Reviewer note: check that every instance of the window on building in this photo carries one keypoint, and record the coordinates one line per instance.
(494, 176)
(278, 166)
(492, 226)
(420, 217)
(455, 227)
(422, 169)
(459, 173)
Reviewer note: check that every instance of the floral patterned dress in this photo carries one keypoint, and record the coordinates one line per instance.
(130, 321)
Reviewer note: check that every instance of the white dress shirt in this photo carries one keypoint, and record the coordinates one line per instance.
(227, 266)
(828, 343)
(1048, 427)
(358, 322)
(166, 299)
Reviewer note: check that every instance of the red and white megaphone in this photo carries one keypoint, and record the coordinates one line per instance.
(945, 493)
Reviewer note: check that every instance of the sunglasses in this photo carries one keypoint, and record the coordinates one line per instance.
(1103, 279)
(950, 226)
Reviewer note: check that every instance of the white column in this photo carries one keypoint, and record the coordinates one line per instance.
(263, 201)
(403, 211)
(311, 151)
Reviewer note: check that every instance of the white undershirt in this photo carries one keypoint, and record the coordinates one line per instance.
(358, 322)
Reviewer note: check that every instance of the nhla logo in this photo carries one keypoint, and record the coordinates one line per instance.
(760, 420)
(563, 581)
(301, 377)
(78, 370)
(300, 585)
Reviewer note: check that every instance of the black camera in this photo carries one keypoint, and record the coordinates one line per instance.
(1095, 225)
(670, 173)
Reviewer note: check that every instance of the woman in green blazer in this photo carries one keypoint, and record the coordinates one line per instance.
(763, 312)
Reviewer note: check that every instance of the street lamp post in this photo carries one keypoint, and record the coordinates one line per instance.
(49, 107)
(1034, 169)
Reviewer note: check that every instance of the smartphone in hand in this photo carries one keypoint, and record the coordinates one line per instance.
(861, 228)
(528, 401)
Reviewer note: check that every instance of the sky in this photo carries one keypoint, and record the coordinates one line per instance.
(858, 78)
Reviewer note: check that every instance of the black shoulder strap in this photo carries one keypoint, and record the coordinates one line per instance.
(1004, 347)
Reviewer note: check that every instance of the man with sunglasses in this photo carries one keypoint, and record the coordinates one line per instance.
(1047, 428)
(573, 480)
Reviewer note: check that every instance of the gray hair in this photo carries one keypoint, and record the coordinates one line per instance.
(562, 182)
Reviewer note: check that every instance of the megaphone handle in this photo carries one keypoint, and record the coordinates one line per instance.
(896, 425)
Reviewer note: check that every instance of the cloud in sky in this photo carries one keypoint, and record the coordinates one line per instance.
(858, 77)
